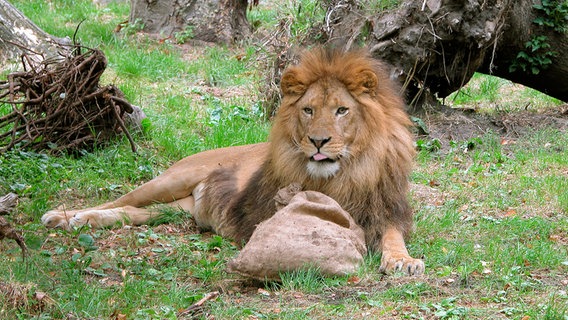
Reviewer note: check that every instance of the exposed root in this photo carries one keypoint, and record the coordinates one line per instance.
(58, 105)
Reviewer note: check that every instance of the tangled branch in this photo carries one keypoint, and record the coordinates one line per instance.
(58, 105)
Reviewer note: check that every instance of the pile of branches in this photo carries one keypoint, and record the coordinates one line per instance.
(57, 105)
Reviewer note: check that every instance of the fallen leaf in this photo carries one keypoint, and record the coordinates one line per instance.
(263, 292)
(40, 295)
(434, 183)
(505, 142)
(353, 280)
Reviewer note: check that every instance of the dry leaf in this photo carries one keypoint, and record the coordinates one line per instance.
(353, 280)
(263, 292)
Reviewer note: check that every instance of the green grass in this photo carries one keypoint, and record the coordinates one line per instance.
(493, 232)
(496, 94)
(298, 17)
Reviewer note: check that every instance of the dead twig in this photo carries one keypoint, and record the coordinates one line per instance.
(196, 307)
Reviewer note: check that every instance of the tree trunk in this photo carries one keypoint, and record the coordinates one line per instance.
(219, 21)
(519, 29)
(435, 46)
(17, 33)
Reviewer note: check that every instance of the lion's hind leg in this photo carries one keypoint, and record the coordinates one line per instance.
(97, 218)
(108, 216)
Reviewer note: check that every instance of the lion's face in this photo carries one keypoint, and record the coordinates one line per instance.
(326, 116)
(341, 125)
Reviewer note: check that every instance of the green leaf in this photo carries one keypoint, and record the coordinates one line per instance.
(34, 242)
(86, 240)
(420, 124)
(146, 125)
(522, 54)
(75, 257)
(539, 21)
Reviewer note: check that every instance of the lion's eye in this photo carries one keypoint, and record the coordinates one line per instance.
(308, 111)
(341, 111)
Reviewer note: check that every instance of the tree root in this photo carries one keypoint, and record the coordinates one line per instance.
(58, 105)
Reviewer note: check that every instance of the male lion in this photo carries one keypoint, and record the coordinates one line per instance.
(341, 130)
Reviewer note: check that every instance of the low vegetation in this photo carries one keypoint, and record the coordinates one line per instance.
(491, 209)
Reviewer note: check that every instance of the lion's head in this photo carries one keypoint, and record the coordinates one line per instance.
(341, 129)
(340, 112)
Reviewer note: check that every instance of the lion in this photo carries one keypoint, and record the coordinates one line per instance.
(341, 129)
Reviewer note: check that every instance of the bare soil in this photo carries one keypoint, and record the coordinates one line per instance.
(461, 125)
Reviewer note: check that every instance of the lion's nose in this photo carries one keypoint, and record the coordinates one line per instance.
(319, 142)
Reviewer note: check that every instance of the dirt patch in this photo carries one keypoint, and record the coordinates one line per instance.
(461, 125)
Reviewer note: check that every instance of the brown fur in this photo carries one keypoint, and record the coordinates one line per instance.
(372, 183)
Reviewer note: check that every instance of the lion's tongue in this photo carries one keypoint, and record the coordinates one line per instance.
(319, 157)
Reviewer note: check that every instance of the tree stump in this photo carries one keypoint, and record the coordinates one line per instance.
(218, 21)
(19, 35)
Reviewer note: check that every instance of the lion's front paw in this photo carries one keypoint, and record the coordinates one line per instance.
(56, 219)
(393, 261)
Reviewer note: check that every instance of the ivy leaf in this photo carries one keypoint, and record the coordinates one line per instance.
(523, 55)
(86, 241)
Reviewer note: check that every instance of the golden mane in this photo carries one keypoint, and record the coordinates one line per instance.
(376, 172)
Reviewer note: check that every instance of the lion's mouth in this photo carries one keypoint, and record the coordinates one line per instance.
(319, 157)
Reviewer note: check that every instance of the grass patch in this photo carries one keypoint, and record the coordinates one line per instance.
(494, 94)
(492, 228)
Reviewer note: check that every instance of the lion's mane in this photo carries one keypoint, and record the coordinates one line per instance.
(372, 183)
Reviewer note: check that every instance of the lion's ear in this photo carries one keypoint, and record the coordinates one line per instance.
(291, 84)
(365, 81)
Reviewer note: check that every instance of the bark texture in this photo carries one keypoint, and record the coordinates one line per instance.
(517, 30)
(7, 203)
(219, 21)
(435, 46)
(19, 35)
